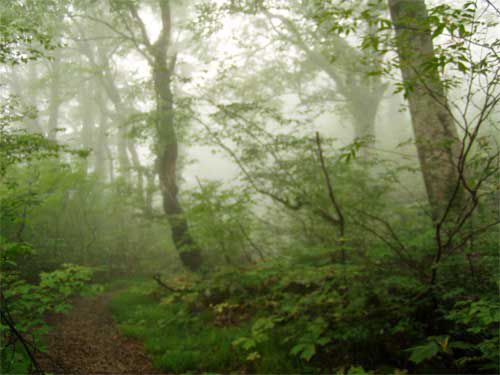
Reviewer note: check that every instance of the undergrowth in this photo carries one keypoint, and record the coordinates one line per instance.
(181, 341)
(312, 318)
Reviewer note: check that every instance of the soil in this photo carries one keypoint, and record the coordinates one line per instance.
(87, 341)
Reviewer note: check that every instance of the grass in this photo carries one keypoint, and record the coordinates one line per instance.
(181, 341)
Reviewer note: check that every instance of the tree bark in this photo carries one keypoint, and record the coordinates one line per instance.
(167, 146)
(437, 141)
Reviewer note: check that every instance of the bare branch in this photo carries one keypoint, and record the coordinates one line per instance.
(331, 195)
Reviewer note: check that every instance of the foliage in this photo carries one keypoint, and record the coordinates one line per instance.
(27, 304)
(480, 320)
(319, 256)
(84, 224)
(221, 221)
(179, 339)
(17, 145)
(21, 36)
(337, 317)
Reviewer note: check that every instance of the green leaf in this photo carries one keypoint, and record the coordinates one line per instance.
(323, 341)
(245, 342)
(308, 352)
(356, 370)
(439, 30)
(424, 352)
(253, 356)
(297, 349)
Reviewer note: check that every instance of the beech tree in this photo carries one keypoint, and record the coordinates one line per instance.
(437, 140)
(161, 58)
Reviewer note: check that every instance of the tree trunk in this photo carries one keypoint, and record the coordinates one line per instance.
(121, 144)
(107, 81)
(55, 99)
(437, 141)
(100, 141)
(167, 153)
(167, 147)
(363, 108)
(103, 156)
(138, 169)
(149, 191)
(87, 112)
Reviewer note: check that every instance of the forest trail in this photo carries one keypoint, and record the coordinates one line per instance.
(87, 341)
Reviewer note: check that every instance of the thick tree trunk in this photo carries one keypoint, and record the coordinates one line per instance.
(436, 136)
(363, 108)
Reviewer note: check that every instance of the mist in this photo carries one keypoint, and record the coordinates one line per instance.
(249, 186)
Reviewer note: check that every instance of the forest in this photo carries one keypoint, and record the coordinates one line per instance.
(250, 187)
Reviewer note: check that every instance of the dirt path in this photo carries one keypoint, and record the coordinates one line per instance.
(87, 341)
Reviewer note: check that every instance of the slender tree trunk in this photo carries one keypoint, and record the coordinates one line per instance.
(121, 134)
(122, 145)
(104, 156)
(100, 140)
(149, 192)
(55, 98)
(167, 146)
(109, 85)
(111, 164)
(438, 145)
(167, 152)
(138, 169)
(87, 115)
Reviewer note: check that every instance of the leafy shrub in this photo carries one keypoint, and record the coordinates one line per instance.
(24, 305)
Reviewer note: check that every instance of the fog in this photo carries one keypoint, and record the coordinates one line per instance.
(249, 186)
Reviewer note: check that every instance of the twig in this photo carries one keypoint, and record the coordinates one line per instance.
(331, 195)
(7, 319)
(157, 278)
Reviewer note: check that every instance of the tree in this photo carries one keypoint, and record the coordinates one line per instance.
(161, 58)
(437, 140)
(167, 146)
(55, 96)
(348, 67)
(456, 169)
(316, 35)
